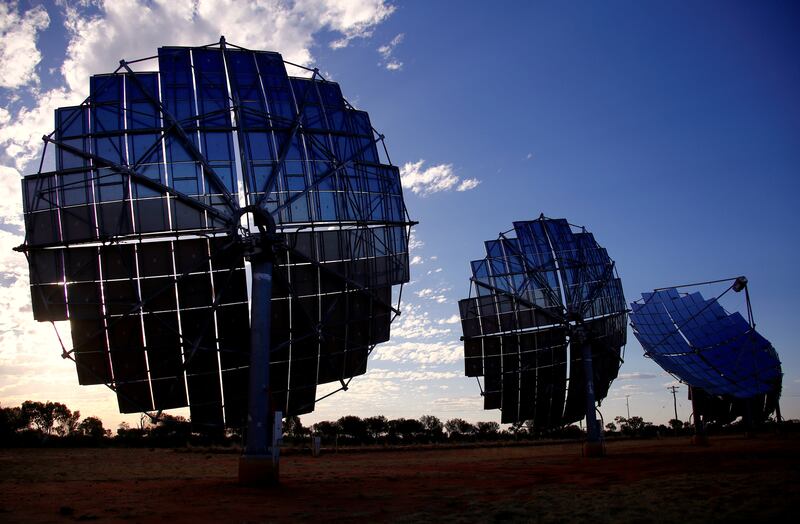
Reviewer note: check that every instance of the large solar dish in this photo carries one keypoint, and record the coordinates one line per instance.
(720, 355)
(545, 300)
(166, 183)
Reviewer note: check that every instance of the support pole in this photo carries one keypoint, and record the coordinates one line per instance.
(259, 463)
(749, 422)
(674, 390)
(594, 444)
(699, 438)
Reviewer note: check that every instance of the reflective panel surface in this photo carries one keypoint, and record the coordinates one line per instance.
(136, 236)
(703, 345)
(536, 285)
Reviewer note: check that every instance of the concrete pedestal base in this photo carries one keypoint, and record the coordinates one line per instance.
(699, 440)
(257, 470)
(594, 449)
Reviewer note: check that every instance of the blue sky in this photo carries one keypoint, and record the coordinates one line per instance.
(671, 130)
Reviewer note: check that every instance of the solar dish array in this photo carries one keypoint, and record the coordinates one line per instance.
(133, 237)
(531, 290)
(697, 341)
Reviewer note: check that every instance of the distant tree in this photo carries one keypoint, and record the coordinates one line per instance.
(234, 434)
(93, 427)
(407, 429)
(487, 428)
(637, 424)
(570, 431)
(49, 416)
(292, 427)
(66, 422)
(327, 429)
(531, 429)
(517, 428)
(433, 426)
(12, 421)
(130, 436)
(622, 424)
(168, 430)
(611, 427)
(632, 425)
(377, 426)
(38, 415)
(676, 424)
(459, 426)
(354, 427)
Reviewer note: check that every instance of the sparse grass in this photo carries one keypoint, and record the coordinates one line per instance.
(734, 480)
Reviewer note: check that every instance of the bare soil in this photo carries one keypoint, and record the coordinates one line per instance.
(667, 480)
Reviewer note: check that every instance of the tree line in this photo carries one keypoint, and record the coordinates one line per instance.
(378, 429)
(37, 421)
(54, 424)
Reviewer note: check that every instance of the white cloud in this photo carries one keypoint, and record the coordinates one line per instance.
(437, 295)
(414, 243)
(365, 396)
(469, 183)
(415, 324)
(21, 139)
(19, 56)
(415, 375)
(453, 319)
(30, 366)
(636, 376)
(471, 403)
(416, 260)
(130, 29)
(441, 177)
(419, 352)
(529, 156)
(387, 51)
(10, 197)
(351, 18)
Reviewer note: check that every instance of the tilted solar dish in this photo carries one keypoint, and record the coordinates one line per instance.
(169, 183)
(718, 354)
(545, 297)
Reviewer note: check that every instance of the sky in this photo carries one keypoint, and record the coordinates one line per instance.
(671, 130)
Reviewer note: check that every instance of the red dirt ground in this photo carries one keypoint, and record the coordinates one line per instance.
(667, 480)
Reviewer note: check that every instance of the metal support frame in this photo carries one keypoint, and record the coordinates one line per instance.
(258, 463)
(737, 284)
(592, 431)
(593, 446)
(594, 440)
(699, 438)
(570, 317)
